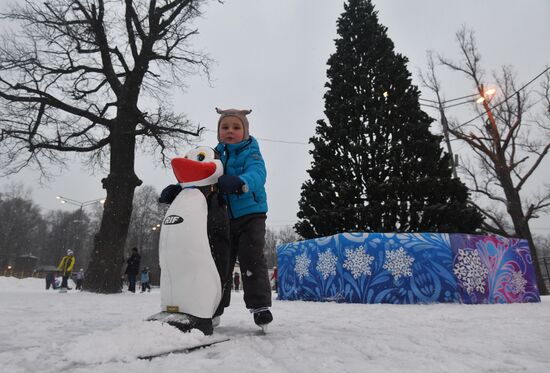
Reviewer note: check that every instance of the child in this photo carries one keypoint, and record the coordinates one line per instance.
(243, 186)
(50, 280)
(79, 279)
(144, 280)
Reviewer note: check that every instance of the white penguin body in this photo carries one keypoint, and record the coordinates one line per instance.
(189, 279)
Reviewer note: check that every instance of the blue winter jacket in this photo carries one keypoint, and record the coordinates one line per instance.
(144, 277)
(245, 161)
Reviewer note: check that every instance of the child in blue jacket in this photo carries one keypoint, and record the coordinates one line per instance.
(243, 185)
(144, 280)
(243, 188)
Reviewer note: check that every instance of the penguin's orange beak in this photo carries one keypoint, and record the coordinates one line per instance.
(188, 170)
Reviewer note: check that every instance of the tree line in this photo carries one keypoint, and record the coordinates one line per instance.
(26, 229)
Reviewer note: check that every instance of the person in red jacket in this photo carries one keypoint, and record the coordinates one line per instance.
(274, 277)
(237, 281)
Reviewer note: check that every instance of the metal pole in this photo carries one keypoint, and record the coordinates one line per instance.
(445, 125)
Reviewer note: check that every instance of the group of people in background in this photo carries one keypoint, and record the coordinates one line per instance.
(132, 272)
(65, 269)
(67, 263)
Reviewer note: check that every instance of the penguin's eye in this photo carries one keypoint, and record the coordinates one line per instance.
(201, 157)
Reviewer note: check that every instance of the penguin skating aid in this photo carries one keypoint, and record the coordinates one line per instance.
(191, 288)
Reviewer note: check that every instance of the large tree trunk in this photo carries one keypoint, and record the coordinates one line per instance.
(521, 226)
(105, 269)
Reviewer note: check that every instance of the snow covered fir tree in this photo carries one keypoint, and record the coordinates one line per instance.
(376, 165)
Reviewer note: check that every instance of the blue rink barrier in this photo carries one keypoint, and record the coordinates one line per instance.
(407, 268)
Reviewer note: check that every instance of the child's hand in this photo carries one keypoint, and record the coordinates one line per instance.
(230, 184)
(169, 194)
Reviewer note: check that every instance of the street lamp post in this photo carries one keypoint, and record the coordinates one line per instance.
(81, 204)
(445, 125)
(441, 106)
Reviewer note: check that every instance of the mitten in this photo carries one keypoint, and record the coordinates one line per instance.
(169, 194)
(230, 184)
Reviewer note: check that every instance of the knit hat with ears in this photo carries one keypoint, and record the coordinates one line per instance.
(241, 114)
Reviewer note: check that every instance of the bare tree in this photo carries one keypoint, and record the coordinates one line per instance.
(270, 247)
(91, 77)
(66, 230)
(274, 238)
(144, 229)
(22, 227)
(508, 146)
(146, 214)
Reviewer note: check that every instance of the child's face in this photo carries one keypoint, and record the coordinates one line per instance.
(231, 130)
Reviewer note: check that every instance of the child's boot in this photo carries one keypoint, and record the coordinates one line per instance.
(262, 316)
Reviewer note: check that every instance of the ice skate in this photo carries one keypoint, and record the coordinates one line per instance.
(262, 317)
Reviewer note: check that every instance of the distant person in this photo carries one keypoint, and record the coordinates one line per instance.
(132, 269)
(237, 281)
(274, 277)
(79, 279)
(65, 267)
(144, 280)
(50, 280)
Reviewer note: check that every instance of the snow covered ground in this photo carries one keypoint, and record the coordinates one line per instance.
(45, 331)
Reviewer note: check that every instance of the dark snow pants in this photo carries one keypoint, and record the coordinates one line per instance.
(247, 245)
(217, 228)
(65, 282)
(132, 282)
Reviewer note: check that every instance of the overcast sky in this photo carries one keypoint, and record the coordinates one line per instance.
(271, 57)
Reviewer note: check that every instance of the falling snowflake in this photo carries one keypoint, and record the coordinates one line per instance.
(471, 271)
(398, 263)
(302, 266)
(358, 262)
(327, 264)
(518, 283)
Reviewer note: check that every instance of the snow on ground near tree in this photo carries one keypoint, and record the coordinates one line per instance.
(45, 331)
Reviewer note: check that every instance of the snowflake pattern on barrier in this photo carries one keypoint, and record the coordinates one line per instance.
(471, 271)
(302, 266)
(487, 263)
(398, 263)
(358, 262)
(518, 283)
(326, 265)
